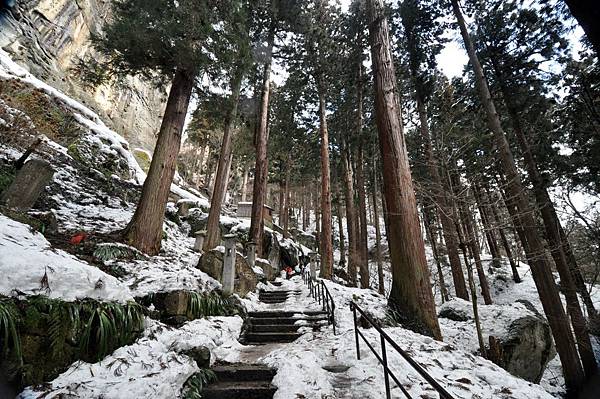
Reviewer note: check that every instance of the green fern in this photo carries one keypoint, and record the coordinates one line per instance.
(194, 385)
(108, 326)
(9, 337)
(211, 304)
(107, 252)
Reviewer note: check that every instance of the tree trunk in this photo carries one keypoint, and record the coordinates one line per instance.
(505, 243)
(213, 230)
(587, 14)
(411, 293)
(351, 218)
(341, 230)
(261, 168)
(436, 256)
(200, 164)
(326, 238)
(553, 229)
(377, 235)
(145, 229)
(488, 227)
(286, 200)
(443, 202)
(244, 184)
(363, 250)
(471, 242)
(540, 268)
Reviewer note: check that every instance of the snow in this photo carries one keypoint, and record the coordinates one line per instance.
(300, 363)
(26, 257)
(153, 367)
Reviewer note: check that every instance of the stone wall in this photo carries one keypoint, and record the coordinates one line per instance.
(48, 37)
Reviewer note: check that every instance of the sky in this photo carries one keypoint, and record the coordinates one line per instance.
(452, 58)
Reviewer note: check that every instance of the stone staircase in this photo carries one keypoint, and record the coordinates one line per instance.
(241, 381)
(273, 297)
(247, 381)
(280, 326)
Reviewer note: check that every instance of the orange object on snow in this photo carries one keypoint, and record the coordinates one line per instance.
(78, 238)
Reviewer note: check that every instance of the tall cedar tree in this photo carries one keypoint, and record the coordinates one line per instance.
(164, 41)
(261, 138)
(411, 292)
(421, 32)
(237, 72)
(507, 54)
(540, 267)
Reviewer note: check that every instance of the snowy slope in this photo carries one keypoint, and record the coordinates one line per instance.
(26, 258)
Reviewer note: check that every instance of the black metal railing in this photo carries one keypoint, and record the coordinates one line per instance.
(319, 291)
(383, 359)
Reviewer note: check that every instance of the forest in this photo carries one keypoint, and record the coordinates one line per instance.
(300, 199)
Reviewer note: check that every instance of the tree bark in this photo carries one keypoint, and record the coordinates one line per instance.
(363, 250)
(436, 256)
(286, 200)
(261, 168)
(213, 231)
(145, 229)
(540, 268)
(244, 184)
(341, 230)
(378, 259)
(326, 233)
(411, 292)
(351, 218)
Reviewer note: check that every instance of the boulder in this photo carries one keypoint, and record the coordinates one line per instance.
(273, 249)
(520, 339)
(28, 185)
(289, 254)
(268, 270)
(201, 355)
(197, 220)
(526, 350)
(453, 313)
(245, 281)
(306, 239)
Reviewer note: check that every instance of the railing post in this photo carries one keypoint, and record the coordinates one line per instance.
(355, 331)
(386, 376)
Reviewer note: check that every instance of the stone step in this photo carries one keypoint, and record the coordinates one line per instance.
(284, 320)
(269, 301)
(287, 314)
(243, 372)
(253, 337)
(279, 293)
(239, 390)
(275, 327)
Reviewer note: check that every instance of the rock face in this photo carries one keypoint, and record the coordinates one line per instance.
(245, 281)
(520, 340)
(28, 185)
(49, 37)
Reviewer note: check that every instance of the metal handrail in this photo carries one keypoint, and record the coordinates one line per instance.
(320, 292)
(387, 373)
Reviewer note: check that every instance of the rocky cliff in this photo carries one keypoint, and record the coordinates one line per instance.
(49, 36)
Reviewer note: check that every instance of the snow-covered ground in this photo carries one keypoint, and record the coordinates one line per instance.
(29, 266)
(301, 373)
